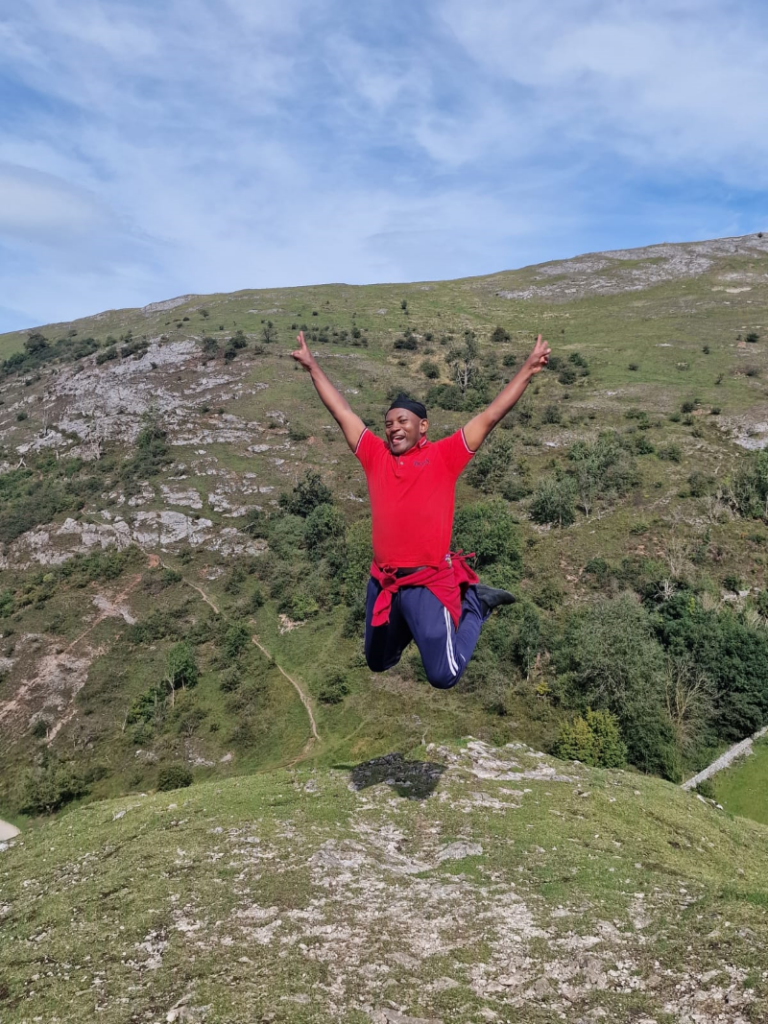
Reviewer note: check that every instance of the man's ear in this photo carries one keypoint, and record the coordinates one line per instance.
(423, 427)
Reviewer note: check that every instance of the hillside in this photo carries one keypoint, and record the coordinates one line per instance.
(466, 883)
(170, 488)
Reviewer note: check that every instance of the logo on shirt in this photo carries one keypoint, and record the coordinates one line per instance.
(418, 463)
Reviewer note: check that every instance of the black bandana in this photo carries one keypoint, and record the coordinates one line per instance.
(404, 402)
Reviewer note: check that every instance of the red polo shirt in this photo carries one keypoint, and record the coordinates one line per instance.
(412, 498)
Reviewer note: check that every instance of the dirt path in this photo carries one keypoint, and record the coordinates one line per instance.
(304, 697)
(732, 754)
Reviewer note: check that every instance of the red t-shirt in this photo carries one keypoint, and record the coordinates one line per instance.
(412, 497)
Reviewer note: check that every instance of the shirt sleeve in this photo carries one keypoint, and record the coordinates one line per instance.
(368, 449)
(456, 452)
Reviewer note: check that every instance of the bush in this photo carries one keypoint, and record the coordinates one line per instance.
(500, 336)
(406, 342)
(489, 530)
(430, 369)
(236, 639)
(491, 466)
(334, 689)
(670, 453)
(749, 490)
(554, 501)
(752, 338)
(308, 493)
(594, 739)
(173, 776)
(51, 786)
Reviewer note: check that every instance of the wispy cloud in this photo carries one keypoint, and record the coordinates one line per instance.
(151, 149)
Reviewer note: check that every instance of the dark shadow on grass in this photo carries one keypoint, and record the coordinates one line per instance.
(415, 780)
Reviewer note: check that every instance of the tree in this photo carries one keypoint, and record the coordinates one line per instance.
(609, 659)
(324, 528)
(36, 343)
(308, 493)
(182, 666)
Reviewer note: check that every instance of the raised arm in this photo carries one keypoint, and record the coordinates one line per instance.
(351, 425)
(480, 427)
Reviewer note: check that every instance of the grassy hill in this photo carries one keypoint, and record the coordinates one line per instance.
(463, 883)
(145, 452)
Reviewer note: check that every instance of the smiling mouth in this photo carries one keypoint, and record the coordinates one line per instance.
(397, 438)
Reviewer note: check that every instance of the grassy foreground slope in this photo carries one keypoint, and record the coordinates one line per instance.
(468, 884)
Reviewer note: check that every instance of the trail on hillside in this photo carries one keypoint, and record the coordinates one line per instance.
(303, 696)
(740, 749)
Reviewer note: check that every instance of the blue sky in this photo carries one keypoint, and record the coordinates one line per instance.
(152, 149)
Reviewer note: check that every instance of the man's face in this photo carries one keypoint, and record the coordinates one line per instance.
(403, 429)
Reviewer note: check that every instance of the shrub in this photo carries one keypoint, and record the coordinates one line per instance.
(406, 342)
(594, 739)
(670, 453)
(699, 484)
(749, 490)
(173, 776)
(489, 530)
(430, 369)
(491, 465)
(500, 335)
(335, 687)
(554, 501)
(753, 337)
(236, 639)
(688, 407)
(50, 786)
(633, 367)
(551, 414)
(308, 493)
(567, 375)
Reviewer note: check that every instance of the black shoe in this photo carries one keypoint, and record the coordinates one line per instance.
(491, 598)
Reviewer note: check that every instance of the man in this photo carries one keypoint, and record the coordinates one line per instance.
(418, 590)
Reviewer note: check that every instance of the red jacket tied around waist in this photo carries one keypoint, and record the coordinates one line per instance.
(446, 581)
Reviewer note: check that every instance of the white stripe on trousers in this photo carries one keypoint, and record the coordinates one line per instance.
(449, 642)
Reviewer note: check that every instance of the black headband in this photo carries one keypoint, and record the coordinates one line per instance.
(404, 402)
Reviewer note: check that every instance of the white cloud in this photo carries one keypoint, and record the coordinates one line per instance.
(153, 149)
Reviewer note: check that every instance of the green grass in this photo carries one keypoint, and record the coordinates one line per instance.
(743, 789)
(288, 894)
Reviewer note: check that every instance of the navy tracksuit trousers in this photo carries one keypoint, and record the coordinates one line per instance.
(416, 614)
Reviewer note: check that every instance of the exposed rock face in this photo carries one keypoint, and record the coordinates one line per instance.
(625, 270)
(164, 529)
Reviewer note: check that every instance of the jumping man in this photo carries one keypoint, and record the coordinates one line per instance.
(418, 590)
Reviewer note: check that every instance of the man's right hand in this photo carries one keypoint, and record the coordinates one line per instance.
(302, 354)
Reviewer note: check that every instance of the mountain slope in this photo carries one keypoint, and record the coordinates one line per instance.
(150, 440)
